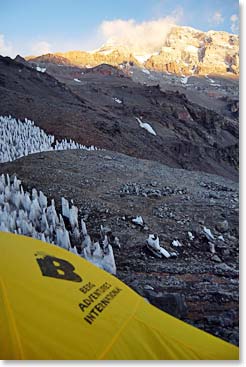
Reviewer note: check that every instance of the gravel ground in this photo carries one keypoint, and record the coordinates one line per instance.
(200, 284)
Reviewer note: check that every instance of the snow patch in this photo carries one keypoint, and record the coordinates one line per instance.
(145, 126)
(215, 85)
(117, 100)
(77, 80)
(192, 49)
(211, 80)
(184, 79)
(143, 58)
(146, 71)
(176, 243)
(41, 70)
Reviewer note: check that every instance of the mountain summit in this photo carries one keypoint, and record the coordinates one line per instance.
(190, 51)
(185, 51)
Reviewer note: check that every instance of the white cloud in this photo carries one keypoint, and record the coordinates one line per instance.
(145, 36)
(234, 23)
(41, 48)
(6, 48)
(217, 18)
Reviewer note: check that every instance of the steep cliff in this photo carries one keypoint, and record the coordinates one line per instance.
(189, 51)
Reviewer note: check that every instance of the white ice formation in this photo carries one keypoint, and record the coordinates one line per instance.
(221, 238)
(176, 243)
(95, 252)
(138, 220)
(190, 235)
(146, 126)
(208, 234)
(29, 214)
(21, 138)
(153, 244)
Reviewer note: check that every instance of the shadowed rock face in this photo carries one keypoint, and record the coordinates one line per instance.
(187, 135)
(199, 286)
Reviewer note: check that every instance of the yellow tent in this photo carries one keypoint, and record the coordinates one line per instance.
(55, 305)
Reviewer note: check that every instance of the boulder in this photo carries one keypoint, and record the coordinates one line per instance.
(222, 226)
(172, 303)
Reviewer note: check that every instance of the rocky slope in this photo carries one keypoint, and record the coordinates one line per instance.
(185, 51)
(199, 284)
(101, 110)
(216, 93)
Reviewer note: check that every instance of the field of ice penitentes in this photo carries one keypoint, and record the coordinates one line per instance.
(31, 214)
(20, 138)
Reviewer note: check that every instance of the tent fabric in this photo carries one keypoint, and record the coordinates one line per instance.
(55, 305)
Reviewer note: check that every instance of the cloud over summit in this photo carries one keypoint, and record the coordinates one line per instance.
(41, 48)
(145, 36)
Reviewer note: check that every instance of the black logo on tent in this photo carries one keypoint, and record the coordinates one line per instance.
(58, 268)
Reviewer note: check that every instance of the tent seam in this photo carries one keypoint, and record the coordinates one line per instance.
(173, 338)
(117, 335)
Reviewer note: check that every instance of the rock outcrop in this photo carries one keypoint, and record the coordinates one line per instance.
(21, 60)
(189, 51)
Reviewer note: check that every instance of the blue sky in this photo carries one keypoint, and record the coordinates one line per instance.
(33, 27)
